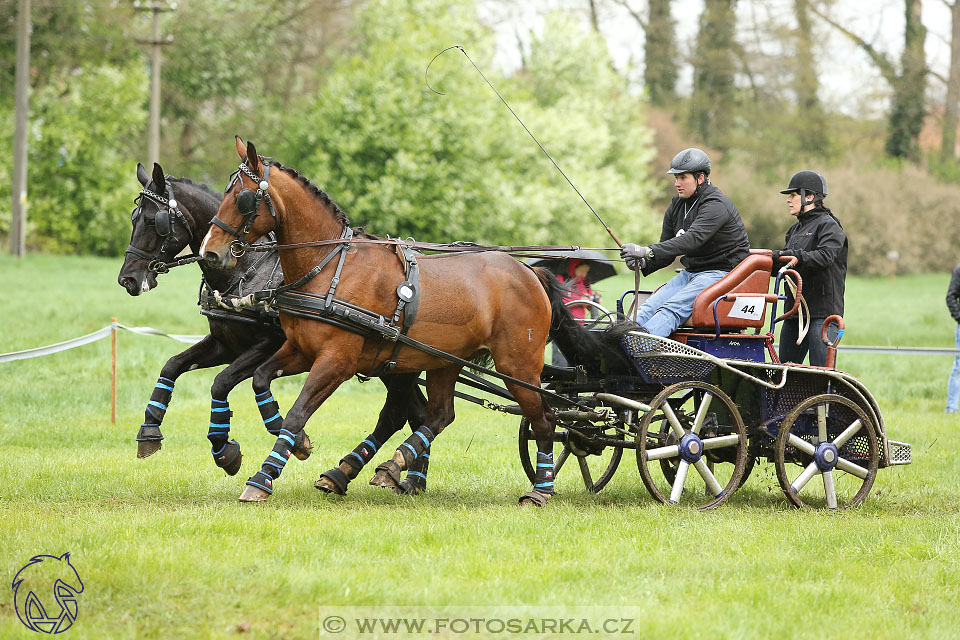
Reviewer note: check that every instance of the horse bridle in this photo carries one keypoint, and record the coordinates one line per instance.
(164, 223)
(248, 203)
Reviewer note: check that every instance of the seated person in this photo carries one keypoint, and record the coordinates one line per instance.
(702, 225)
(577, 287)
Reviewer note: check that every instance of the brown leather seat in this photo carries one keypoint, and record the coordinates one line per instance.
(750, 276)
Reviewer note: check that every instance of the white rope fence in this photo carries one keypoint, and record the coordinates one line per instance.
(111, 332)
(100, 334)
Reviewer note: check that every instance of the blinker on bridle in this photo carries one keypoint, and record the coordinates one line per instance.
(248, 203)
(164, 226)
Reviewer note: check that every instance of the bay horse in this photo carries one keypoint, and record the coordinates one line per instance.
(171, 214)
(468, 304)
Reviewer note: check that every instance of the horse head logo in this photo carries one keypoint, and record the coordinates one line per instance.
(45, 593)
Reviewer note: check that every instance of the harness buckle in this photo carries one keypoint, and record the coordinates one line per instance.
(158, 266)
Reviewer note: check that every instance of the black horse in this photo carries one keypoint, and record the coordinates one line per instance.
(172, 213)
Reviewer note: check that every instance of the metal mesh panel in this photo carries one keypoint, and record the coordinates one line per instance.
(683, 362)
(899, 452)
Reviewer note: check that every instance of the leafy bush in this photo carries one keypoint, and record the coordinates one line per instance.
(407, 162)
(83, 128)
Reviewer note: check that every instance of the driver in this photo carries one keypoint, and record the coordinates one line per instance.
(702, 225)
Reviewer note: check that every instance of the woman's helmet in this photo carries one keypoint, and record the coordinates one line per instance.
(807, 181)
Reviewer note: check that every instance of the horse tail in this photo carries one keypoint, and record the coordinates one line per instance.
(578, 345)
(598, 355)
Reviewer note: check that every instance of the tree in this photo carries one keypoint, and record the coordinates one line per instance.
(811, 134)
(948, 139)
(660, 60)
(712, 104)
(406, 162)
(909, 83)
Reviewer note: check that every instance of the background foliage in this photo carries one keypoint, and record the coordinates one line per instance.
(335, 89)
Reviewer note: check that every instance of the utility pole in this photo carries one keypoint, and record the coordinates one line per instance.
(18, 228)
(156, 60)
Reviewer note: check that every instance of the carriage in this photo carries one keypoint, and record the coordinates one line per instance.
(714, 396)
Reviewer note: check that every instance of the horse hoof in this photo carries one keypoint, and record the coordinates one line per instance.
(534, 499)
(147, 448)
(388, 475)
(229, 458)
(253, 494)
(327, 486)
(302, 448)
(383, 479)
(234, 467)
(407, 488)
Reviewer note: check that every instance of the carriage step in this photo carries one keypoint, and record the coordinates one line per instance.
(899, 452)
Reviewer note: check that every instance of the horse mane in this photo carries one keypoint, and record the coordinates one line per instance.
(199, 185)
(318, 193)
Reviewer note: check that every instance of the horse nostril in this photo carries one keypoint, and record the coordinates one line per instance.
(211, 259)
(130, 285)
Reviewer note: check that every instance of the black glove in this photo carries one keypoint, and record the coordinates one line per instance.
(635, 256)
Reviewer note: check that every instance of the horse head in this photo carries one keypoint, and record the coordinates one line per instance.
(265, 196)
(163, 226)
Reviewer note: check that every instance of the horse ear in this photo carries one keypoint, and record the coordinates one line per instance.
(142, 175)
(241, 149)
(253, 160)
(158, 181)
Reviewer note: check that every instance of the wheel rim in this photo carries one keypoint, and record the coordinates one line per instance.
(692, 446)
(827, 453)
(586, 469)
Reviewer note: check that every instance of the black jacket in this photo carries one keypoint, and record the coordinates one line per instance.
(953, 294)
(820, 245)
(713, 236)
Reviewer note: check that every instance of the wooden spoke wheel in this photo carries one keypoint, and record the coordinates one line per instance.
(692, 424)
(595, 462)
(827, 453)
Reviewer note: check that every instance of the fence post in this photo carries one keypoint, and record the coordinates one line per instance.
(113, 371)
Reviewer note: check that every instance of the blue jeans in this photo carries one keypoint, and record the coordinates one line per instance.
(790, 351)
(953, 387)
(672, 304)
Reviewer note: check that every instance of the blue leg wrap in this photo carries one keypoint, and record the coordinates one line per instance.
(416, 445)
(362, 454)
(270, 412)
(273, 466)
(158, 403)
(543, 480)
(220, 415)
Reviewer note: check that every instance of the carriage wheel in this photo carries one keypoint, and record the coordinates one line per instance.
(692, 424)
(596, 464)
(832, 437)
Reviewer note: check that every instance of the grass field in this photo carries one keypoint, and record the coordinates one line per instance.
(165, 550)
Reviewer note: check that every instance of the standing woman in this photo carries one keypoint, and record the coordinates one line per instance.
(820, 246)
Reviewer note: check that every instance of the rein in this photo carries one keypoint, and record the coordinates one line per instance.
(460, 246)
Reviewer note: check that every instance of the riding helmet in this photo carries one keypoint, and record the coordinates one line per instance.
(690, 160)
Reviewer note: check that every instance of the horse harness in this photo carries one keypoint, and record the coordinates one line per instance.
(248, 202)
(340, 313)
(168, 213)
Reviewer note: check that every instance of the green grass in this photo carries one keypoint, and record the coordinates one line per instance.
(165, 551)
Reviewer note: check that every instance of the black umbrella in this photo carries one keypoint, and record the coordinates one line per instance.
(600, 266)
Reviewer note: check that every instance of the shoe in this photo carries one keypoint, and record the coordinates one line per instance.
(951, 411)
